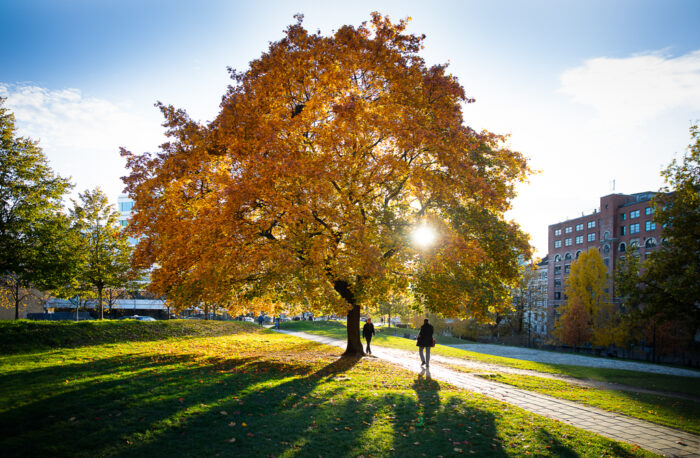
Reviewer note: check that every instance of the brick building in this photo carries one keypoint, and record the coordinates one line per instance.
(622, 221)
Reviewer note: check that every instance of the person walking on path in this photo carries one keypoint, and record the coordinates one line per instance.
(425, 341)
(368, 333)
(260, 320)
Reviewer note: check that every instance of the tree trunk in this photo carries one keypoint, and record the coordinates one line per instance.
(16, 286)
(99, 301)
(354, 347)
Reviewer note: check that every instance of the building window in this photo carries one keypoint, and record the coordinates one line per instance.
(557, 295)
(557, 232)
(591, 224)
(557, 244)
(606, 249)
(623, 216)
(557, 258)
(622, 230)
(606, 261)
(579, 227)
(650, 225)
(557, 283)
(622, 247)
(125, 206)
(567, 269)
(634, 214)
(650, 243)
(634, 243)
(557, 270)
(567, 257)
(591, 237)
(606, 236)
(568, 230)
(124, 223)
(579, 239)
(634, 228)
(567, 242)
(578, 253)
(648, 211)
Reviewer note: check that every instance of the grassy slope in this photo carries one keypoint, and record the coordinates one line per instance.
(26, 335)
(243, 391)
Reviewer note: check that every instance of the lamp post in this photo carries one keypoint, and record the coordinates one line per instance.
(529, 315)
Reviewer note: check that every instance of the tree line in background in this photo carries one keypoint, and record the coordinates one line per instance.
(78, 255)
(658, 298)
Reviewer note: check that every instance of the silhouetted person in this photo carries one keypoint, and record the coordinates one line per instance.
(368, 333)
(425, 341)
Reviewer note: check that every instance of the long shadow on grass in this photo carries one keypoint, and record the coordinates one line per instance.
(175, 405)
(97, 408)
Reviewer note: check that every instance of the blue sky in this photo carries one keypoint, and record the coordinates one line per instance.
(590, 91)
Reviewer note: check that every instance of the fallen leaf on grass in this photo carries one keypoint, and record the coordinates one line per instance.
(233, 439)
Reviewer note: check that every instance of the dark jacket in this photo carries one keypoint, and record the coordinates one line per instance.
(368, 331)
(425, 336)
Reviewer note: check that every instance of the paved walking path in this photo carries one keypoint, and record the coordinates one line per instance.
(550, 357)
(652, 437)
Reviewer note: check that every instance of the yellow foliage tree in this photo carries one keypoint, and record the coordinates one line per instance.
(589, 303)
(306, 188)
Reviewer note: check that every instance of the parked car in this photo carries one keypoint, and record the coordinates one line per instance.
(249, 319)
(138, 317)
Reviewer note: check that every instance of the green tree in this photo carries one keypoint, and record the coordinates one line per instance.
(670, 282)
(395, 304)
(105, 251)
(32, 226)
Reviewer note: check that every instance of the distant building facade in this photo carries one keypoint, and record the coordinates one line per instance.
(623, 221)
(535, 316)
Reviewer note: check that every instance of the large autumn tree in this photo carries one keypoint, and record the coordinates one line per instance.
(326, 155)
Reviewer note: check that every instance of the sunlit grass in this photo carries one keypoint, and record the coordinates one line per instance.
(251, 392)
(678, 413)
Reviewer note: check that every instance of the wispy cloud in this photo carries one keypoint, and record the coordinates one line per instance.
(81, 135)
(635, 89)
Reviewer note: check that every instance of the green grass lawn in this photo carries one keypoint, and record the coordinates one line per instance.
(233, 389)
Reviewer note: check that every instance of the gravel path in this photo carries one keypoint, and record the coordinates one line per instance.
(542, 356)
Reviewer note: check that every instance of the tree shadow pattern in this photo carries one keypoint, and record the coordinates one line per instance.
(255, 405)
